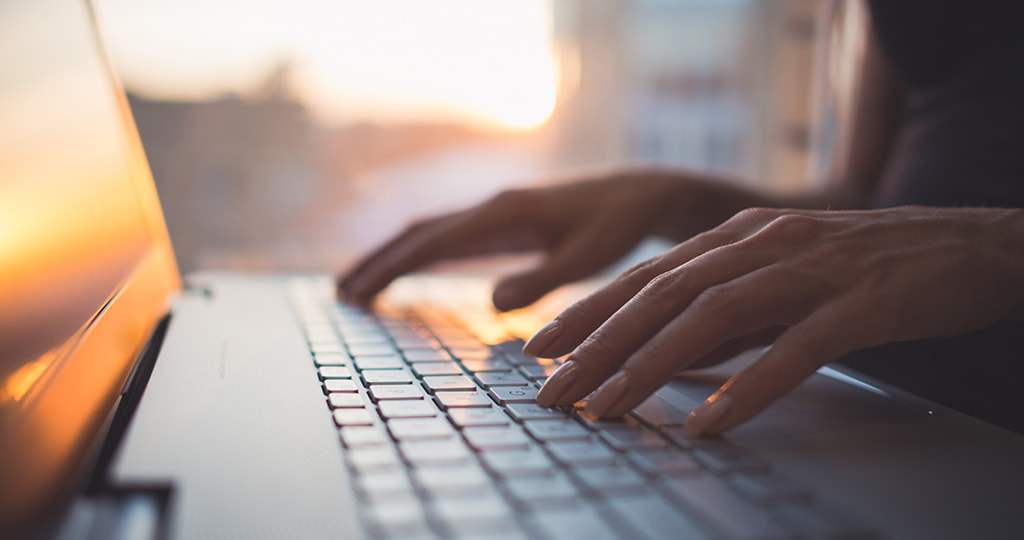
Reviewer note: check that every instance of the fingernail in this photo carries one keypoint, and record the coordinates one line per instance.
(609, 394)
(557, 384)
(542, 339)
(708, 414)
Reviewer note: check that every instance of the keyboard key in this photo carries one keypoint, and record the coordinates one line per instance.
(664, 462)
(335, 372)
(596, 423)
(407, 409)
(446, 480)
(396, 391)
(411, 338)
(405, 429)
(436, 452)
(476, 352)
(510, 346)
(513, 462)
(542, 490)
(331, 359)
(448, 382)
(732, 516)
(610, 479)
(513, 394)
(353, 326)
(425, 355)
(518, 359)
(551, 430)
(486, 365)
(482, 438)
(576, 523)
(385, 485)
(458, 340)
(536, 372)
(403, 520)
(378, 362)
(478, 417)
(522, 412)
(582, 453)
(340, 400)
(321, 347)
(354, 436)
(353, 417)
(635, 437)
(468, 528)
(487, 508)
(341, 385)
(653, 517)
(367, 338)
(387, 376)
(372, 349)
(372, 458)
(436, 368)
(462, 399)
(490, 379)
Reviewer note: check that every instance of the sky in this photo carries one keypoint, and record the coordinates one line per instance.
(483, 62)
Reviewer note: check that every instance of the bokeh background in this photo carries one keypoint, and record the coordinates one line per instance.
(296, 134)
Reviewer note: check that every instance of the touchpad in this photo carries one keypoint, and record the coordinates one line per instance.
(825, 401)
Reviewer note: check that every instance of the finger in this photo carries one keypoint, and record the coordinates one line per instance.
(578, 256)
(824, 336)
(354, 282)
(645, 315)
(438, 239)
(766, 298)
(734, 347)
(580, 320)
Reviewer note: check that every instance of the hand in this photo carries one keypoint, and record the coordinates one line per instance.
(582, 227)
(815, 284)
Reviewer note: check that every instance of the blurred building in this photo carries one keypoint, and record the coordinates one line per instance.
(233, 173)
(722, 86)
(253, 182)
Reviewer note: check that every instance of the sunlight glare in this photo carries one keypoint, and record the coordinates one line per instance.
(487, 63)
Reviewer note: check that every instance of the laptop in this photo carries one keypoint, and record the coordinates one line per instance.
(135, 404)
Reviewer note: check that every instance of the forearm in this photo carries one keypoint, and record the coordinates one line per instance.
(1007, 230)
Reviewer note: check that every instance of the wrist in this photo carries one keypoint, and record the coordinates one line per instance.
(1012, 247)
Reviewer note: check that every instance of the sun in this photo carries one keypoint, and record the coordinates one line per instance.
(527, 105)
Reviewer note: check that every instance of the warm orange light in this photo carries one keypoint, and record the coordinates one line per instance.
(19, 382)
(484, 63)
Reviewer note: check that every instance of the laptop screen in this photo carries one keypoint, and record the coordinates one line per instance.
(79, 227)
(71, 229)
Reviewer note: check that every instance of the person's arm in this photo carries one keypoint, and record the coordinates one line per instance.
(588, 224)
(814, 284)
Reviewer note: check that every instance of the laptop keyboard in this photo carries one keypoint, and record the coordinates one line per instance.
(444, 439)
